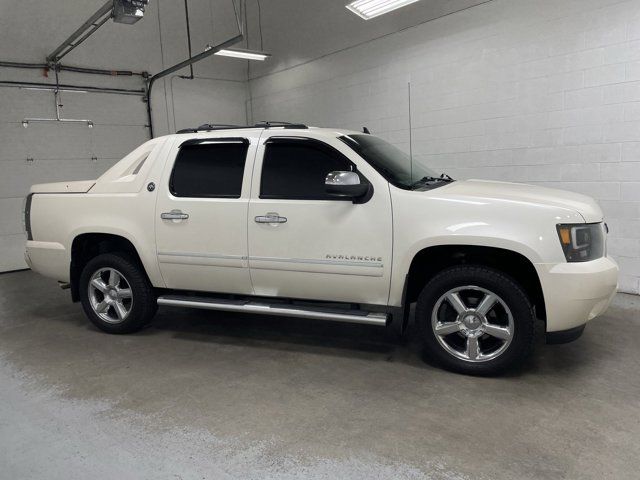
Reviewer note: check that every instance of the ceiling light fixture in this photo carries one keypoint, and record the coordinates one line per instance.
(369, 9)
(241, 53)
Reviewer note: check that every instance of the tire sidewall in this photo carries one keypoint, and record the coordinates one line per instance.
(140, 290)
(497, 282)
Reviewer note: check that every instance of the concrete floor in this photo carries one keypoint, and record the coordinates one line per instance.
(206, 395)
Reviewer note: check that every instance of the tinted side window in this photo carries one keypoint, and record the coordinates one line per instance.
(297, 169)
(209, 170)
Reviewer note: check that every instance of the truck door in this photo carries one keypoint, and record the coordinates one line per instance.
(306, 244)
(201, 215)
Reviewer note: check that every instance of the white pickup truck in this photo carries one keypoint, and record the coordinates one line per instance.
(327, 224)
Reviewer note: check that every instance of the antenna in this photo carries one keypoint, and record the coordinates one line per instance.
(410, 135)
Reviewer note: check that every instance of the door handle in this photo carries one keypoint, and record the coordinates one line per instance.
(174, 215)
(270, 218)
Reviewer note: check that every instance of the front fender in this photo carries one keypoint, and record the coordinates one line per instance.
(428, 219)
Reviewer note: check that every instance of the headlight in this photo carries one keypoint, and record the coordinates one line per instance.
(582, 242)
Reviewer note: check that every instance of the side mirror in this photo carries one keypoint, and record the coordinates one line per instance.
(345, 184)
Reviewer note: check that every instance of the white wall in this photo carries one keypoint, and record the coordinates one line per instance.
(544, 92)
(294, 31)
(218, 94)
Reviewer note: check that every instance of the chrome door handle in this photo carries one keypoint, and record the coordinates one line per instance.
(174, 215)
(270, 218)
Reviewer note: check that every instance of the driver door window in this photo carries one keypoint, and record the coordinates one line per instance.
(297, 170)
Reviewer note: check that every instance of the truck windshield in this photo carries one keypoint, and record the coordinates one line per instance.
(393, 164)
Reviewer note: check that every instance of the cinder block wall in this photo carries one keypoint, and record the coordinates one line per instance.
(544, 92)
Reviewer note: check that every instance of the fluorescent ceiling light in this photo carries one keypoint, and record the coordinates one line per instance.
(246, 54)
(368, 9)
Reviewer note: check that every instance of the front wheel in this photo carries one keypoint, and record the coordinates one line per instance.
(476, 320)
(116, 294)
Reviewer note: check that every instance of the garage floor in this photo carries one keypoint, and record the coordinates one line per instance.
(205, 395)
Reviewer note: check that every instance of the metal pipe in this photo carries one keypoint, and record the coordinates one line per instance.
(23, 65)
(197, 58)
(181, 65)
(75, 88)
(56, 97)
(100, 71)
(61, 120)
(186, 14)
(70, 68)
(57, 54)
(58, 118)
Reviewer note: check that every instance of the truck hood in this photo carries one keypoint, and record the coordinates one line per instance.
(530, 194)
(80, 186)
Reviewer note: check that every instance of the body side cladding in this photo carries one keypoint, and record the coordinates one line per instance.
(399, 316)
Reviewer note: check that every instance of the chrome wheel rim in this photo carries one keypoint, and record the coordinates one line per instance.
(110, 295)
(472, 323)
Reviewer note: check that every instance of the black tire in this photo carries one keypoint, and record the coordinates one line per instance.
(509, 353)
(142, 303)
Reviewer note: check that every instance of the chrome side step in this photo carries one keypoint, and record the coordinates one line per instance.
(282, 310)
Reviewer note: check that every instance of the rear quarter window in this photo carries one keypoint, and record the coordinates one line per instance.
(213, 170)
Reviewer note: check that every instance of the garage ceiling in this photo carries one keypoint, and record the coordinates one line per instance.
(132, 47)
(294, 31)
(299, 31)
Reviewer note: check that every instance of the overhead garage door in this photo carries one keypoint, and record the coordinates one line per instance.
(52, 152)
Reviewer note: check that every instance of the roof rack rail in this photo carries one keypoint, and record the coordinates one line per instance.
(269, 124)
(207, 127)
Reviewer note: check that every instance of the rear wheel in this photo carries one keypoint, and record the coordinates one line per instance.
(476, 320)
(115, 294)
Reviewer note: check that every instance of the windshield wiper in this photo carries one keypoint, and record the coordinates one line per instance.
(428, 179)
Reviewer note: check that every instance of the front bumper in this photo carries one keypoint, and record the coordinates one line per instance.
(575, 293)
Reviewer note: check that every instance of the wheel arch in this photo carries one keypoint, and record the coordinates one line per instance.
(427, 262)
(86, 246)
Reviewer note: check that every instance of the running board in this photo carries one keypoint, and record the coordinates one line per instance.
(282, 310)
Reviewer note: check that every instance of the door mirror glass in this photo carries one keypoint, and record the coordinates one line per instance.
(345, 184)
